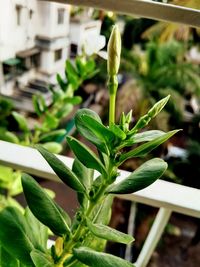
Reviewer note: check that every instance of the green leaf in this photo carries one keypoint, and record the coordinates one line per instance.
(63, 172)
(21, 120)
(99, 259)
(144, 137)
(9, 137)
(52, 147)
(108, 233)
(84, 131)
(99, 130)
(62, 84)
(142, 177)
(64, 111)
(37, 230)
(144, 149)
(40, 259)
(75, 100)
(85, 155)
(50, 122)
(7, 260)
(14, 235)
(117, 131)
(85, 175)
(39, 104)
(158, 107)
(43, 207)
(153, 112)
(53, 135)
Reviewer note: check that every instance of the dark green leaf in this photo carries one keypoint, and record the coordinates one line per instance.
(7, 260)
(63, 172)
(144, 149)
(85, 155)
(14, 235)
(98, 259)
(53, 135)
(62, 84)
(43, 207)
(83, 130)
(21, 120)
(85, 175)
(117, 131)
(108, 233)
(98, 129)
(142, 177)
(40, 259)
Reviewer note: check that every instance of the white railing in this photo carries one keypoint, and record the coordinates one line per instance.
(166, 196)
(143, 8)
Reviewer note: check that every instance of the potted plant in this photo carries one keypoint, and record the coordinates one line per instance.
(80, 241)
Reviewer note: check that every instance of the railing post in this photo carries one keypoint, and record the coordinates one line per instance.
(153, 237)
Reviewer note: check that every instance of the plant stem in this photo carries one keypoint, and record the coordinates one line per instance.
(81, 230)
(112, 109)
(112, 86)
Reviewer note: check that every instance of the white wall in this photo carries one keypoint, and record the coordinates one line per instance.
(14, 38)
(48, 20)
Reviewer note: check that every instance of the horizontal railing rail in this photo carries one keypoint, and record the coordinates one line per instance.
(177, 197)
(143, 8)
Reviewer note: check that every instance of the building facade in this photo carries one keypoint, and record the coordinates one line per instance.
(34, 42)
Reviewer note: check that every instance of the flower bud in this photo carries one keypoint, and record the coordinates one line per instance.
(114, 51)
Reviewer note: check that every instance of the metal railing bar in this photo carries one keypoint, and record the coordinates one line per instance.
(143, 8)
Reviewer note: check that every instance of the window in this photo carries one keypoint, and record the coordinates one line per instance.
(18, 14)
(58, 54)
(30, 13)
(61, 15)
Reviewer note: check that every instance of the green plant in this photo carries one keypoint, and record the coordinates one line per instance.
(161, 69)
(80, 242)
(46, 131)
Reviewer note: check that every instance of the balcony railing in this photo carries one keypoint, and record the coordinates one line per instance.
(166, 196)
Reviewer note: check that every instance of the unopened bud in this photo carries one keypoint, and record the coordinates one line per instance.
(114, 51)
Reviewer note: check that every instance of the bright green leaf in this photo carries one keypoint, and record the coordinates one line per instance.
(21, 120)
(7, 260)
(52, 147)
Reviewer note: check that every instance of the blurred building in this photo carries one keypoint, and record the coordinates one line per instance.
(36, 38)
(34, 41)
